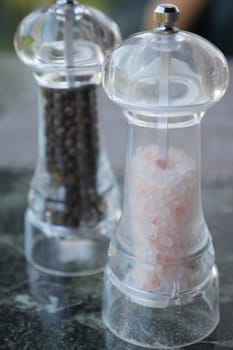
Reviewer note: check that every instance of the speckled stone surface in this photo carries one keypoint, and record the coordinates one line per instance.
(40, 312)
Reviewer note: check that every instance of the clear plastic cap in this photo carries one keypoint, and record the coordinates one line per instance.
(165, 69)
(64, 36)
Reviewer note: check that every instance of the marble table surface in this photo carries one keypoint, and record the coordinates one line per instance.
(40, 312)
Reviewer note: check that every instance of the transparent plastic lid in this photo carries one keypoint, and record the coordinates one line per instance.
(165, 69)
(65, 35)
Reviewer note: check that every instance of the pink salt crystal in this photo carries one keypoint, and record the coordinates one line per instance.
(169, 260)
(162, 163)
(149, 155)
(165, 200)
(165, 241)
(152, 283)
(180, 211)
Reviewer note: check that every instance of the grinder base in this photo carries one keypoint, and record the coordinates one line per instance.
(158, 321)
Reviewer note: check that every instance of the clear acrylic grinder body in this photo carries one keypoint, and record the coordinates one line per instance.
(161, 281)
(73, 204)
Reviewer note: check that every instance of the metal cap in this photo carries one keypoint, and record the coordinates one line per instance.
(66, 2)
(165, 16)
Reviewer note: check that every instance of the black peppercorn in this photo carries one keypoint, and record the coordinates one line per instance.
(71, 154)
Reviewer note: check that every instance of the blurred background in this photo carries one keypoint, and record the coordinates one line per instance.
(128, 14)
(18, 102)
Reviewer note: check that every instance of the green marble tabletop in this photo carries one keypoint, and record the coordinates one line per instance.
(41, 312)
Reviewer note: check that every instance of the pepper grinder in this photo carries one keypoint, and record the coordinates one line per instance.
(161, 281)
(73, 203)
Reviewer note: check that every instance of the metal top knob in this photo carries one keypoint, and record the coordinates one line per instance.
(66, 2)
(165, 16)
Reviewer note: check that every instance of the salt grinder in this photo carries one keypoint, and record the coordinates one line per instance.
(73, 203)
(161, 281)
